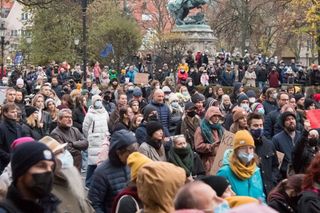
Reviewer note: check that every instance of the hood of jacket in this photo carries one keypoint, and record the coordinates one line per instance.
(158, 183)
(96, 111)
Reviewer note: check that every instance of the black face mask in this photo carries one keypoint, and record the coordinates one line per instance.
(313, 141)
(42, 184)
(191, 114)
(153, 117)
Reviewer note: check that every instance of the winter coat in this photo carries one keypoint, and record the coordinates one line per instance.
(109, 106)
(262, 75)
(78, 117)
(269, 106)
(95, 129)
(309, 202)
(284, 143)
(281, 203)
(152, 153)
(9, 131)
(188, 129)
(15, 203)
(163, 113)
(113, 119)
(131, 75)
(270, 122)
(34, 132)
(204, 79)
(107, 181)
(252, 187)
(182, 77)
(274, 79)
(208, 151)
(250, 79)
(268, 163)
(68, 188)
(227, 78)
(76, 142)
(47, 122)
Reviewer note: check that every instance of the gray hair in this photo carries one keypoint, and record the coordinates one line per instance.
(63, 112)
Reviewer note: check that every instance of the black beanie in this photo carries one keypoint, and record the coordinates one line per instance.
(197, 97)
(285, 115)
(152, 127)
(29, 110)
(298, 96)
(308, 102)
(26, 155)
(217, 183)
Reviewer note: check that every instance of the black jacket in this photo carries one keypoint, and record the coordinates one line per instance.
(14, 203)
(9, 131)
(78, 118)
(35, 133)
(268, 163)
(309, 202)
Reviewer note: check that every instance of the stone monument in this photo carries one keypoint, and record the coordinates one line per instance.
(193, 28)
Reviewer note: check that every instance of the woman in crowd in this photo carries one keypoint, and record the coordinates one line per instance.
(66, 102)
(51, 108)
(153, 148)
(134, 105)
(125, 120)
(239, 120)
(136, 121)
(284, 197)
(225, 105)
(44, 117)
(182, 155)
(176, 112)
(79, 112)
(95, 129)
(31, 127)
(183, 95)
(310, 197)
(240, 167)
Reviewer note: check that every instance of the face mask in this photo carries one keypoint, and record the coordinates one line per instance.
(175, 104)
(66, 159)
(245, 107)
(221, 208)
(190, 84)
(42, 184)
(98, 104)
(274, 96)
(185, 93)
(153, 117)
(261, 111)
(313, 141)
(226, 106)
(157, 87)
(257, 133)
(245, 158)
(252, 100)
(191, 114)
(166, 97)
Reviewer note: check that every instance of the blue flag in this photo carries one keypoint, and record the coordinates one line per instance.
(106, 51)
(19, 58)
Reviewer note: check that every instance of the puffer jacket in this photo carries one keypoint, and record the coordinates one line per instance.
(95, 129)
(252, 187)
(108, 180)
(163, 113)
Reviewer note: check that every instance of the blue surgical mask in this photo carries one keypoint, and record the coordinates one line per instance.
(257, 133)
(245, 158)
(261, 111)
(245, 107)
(221, 208)
(66, 159)
(175, 104)
(98, 104)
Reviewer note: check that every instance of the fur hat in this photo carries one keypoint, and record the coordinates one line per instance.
(238, 114)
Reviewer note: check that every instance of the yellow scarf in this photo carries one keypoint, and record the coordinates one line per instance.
(241, 171)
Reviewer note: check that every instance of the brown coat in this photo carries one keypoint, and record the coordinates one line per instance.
(76, 142)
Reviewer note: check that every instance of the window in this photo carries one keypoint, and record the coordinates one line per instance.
(24, 16)
(14, 32)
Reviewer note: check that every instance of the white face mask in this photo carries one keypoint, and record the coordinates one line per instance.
(190, 84)
(157, 87)
(66, 159)
(252, 100)
(245, 158)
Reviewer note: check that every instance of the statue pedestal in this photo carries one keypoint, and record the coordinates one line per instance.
(199, 37)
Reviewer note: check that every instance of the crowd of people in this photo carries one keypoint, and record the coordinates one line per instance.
(224, 135)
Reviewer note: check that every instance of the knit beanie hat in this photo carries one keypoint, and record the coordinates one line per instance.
(48, 101)
(20, 141)
(147, 110)
(152, 127)
(29, 110)
(238, 114)
(255, 106)
(251, 94)
(95, 98)
(217, 183)
(285, 115)
(197, 97)
(19, 81)
(298, 96)
(135, 161)
(242, 138)
(137, 92)
(166, 89)
(26, 155)
(242, 97)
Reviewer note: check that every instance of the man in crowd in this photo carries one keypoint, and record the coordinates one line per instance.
(32, 174)
(10, 95)
(66, 133)
(286, 140)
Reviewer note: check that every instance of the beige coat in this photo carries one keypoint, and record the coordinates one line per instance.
(152, 153)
